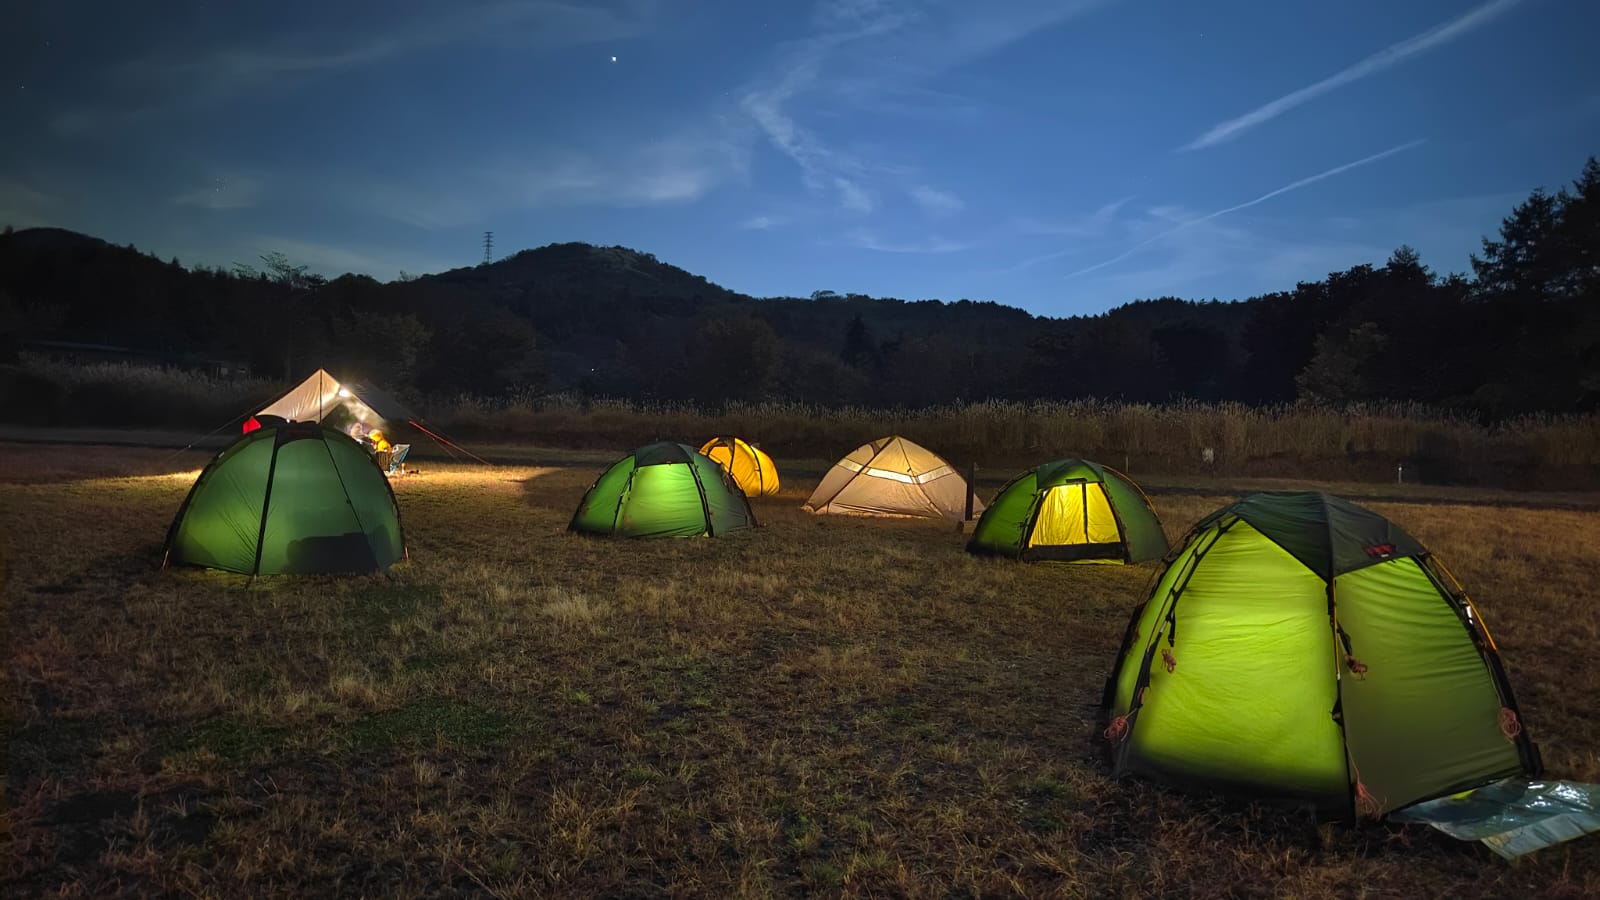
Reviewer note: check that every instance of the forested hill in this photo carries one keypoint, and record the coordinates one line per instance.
(1521, 334)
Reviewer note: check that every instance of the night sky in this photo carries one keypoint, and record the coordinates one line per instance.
(1061, 156)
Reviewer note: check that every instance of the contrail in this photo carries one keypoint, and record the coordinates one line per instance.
(1408, 145)
(1392, 55)
(1292, 186)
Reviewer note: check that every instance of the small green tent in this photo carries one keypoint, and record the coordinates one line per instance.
(1074, 510)
(1302, 648)
(663, 490)
(297, 499)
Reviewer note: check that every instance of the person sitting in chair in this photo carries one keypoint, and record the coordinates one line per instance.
(379, 446)
(390, 458)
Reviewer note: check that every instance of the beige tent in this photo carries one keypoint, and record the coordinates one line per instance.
(892, 476)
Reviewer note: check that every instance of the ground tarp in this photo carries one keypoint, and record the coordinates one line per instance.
(1513, 817)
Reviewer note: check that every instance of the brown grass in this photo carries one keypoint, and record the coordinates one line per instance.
(825, 706)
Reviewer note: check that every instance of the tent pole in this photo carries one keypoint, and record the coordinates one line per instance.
(972, 478)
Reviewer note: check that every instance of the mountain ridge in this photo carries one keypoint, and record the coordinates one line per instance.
(1522, 335)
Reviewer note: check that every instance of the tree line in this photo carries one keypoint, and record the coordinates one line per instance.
(1520, 334)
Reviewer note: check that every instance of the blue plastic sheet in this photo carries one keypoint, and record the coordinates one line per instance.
(1513, 817)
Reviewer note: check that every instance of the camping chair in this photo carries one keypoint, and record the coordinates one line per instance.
(392, 461)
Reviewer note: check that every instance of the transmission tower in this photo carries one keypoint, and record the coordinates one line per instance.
(488, 246)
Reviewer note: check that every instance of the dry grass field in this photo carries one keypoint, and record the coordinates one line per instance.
(826, 706)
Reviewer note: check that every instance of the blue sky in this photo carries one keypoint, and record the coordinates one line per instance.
(1061, 156)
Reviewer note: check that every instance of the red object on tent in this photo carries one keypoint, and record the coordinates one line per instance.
(251, 424)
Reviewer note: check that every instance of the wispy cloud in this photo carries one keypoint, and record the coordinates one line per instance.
(1092, 225)
(336, 258)
(1386, 58)
(897, 93)
(867, 240)
(762, 223)
(187, 81)
(676, 169)
(221, 194)
(1222, 258)
(935, 201)
(1089, 227)
(844, 56)
(822, 169)
(1231, 261)
(1239, 257)
(23, 205)
(853, 197)
(851, 14)
(1186, 223)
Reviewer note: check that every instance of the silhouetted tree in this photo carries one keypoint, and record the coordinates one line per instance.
(732, 357)
(1340, 370)
(859, 348)
(1526, 262)
(1197, 359)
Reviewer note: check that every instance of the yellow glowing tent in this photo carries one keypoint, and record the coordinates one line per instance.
(751, 468)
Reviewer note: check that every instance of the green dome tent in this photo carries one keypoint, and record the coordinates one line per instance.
(296, 499)
(1302, 648)
(1073, 510)
(663, 490)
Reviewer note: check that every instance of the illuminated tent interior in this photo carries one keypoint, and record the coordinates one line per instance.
(1073, 510)
(1300, 648)
(299, 499)
(892, 476)
(752, 469)
(663, 490)
(321, 395)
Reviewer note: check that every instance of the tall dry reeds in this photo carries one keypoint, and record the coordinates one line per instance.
(1367, 442)
(1370, 442)
(124, 395)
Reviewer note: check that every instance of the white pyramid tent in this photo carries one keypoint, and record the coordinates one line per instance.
(892, 476)
(313, 399)
(319, 395)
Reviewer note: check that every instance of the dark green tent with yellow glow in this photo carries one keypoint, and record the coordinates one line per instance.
(1302, 648)
(1073, 510)
(663, 490)
(291, 499)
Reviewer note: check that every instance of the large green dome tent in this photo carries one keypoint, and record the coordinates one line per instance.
(1073, 510)
(1302, 648)
(297, 498)
(664, 489)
